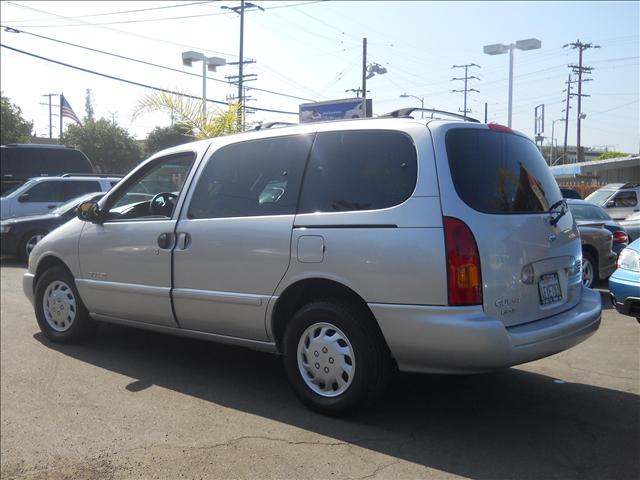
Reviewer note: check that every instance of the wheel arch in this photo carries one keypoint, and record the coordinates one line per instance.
(307, 290)
(47, 263)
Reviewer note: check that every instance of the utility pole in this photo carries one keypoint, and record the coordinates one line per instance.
(466, 79)
(566, 117)
(51, 114)
(364, 78)
(580, 69)
(240, 11)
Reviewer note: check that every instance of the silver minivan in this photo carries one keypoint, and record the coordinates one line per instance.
(352, 248)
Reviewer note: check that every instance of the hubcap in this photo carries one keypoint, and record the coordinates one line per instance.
(59, 306)
(326, 360)
(32, 243)
(587, 272)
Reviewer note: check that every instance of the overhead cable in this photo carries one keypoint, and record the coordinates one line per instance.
(131, 82)
(15, 30)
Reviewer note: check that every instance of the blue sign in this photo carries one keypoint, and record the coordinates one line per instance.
(333, 110)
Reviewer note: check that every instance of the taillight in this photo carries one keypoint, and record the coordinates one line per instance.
(463, 264)
(499, 128)
(620, 237)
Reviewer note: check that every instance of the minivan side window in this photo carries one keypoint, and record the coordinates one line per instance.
(253, 178)
(497, 172)
(153, 191)
(359, 170)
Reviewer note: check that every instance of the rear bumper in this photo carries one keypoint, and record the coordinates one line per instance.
(465, 340)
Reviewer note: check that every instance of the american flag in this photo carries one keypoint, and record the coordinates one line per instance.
(67, 111)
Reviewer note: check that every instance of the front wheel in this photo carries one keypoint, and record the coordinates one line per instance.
(334, 358)
(61, 315)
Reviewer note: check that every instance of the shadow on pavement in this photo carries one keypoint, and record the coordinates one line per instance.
(511, 424)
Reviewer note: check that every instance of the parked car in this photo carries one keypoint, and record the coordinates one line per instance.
(619, 199)
(40, 195)
(631, 225)
(598, 259)
(570, 193)
(586, 213)
(19, 162)
(624, 284)
(348, 247)
(19, 235)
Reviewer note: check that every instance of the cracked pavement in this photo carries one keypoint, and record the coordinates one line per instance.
(133, 404)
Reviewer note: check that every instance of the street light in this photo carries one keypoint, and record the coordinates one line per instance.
(406, 95)
(208, 63)
(499, 48)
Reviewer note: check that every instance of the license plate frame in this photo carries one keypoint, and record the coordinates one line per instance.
(549, 289)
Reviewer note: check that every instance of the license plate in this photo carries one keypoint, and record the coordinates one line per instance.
(549, 288)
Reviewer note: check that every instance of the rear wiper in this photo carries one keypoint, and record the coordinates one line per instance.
(557, 215)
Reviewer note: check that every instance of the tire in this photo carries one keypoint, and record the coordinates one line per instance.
(589, 270)
(61, 315)
(334, 358)
(28, 242)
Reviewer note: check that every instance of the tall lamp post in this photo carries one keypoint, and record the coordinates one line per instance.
(406, 95)
(208, 63)
(499, 48)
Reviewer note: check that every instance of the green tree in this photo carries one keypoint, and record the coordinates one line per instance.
(13, 128)
(88, 105)
(188, 114)
(109, 147)
(606, 155)
(165, 137)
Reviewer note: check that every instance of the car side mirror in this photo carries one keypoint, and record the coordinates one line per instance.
(611, 204)
(89, 211)
(24, 198)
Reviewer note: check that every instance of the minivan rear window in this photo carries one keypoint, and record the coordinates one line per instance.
(497, 172)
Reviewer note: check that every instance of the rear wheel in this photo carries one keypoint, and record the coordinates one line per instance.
(29, 241)
(61, 315)
(589, 270)
(334, 358)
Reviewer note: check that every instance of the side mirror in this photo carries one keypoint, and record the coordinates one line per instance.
(89, 211)
(610, 204)
(24, 198)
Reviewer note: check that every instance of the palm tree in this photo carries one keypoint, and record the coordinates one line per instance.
(188, 113)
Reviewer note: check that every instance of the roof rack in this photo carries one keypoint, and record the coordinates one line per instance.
(406, 112)
(262, 126)
(99, 175)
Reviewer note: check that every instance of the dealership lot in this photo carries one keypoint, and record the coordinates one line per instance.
(135, 404)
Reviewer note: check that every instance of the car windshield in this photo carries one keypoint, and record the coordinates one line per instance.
(599, 196)
(582, 212)
(16, 187)
(73, 203)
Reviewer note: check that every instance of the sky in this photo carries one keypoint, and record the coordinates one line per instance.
(309, 50)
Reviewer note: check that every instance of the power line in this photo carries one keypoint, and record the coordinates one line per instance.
(131, 82)
(114, 13)
(121, 22)
(15, 30)
(466, 79)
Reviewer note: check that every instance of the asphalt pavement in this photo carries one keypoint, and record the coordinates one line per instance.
(135, 404)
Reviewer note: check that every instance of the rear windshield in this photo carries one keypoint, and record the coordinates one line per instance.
(496, 172)
(588, 212)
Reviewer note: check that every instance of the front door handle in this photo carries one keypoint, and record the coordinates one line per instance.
(184, 241)
(165, 240)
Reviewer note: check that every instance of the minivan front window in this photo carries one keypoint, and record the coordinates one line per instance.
(496, 172)
(599, 196)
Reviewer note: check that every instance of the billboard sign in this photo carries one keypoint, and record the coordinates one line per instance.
(333, 110)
